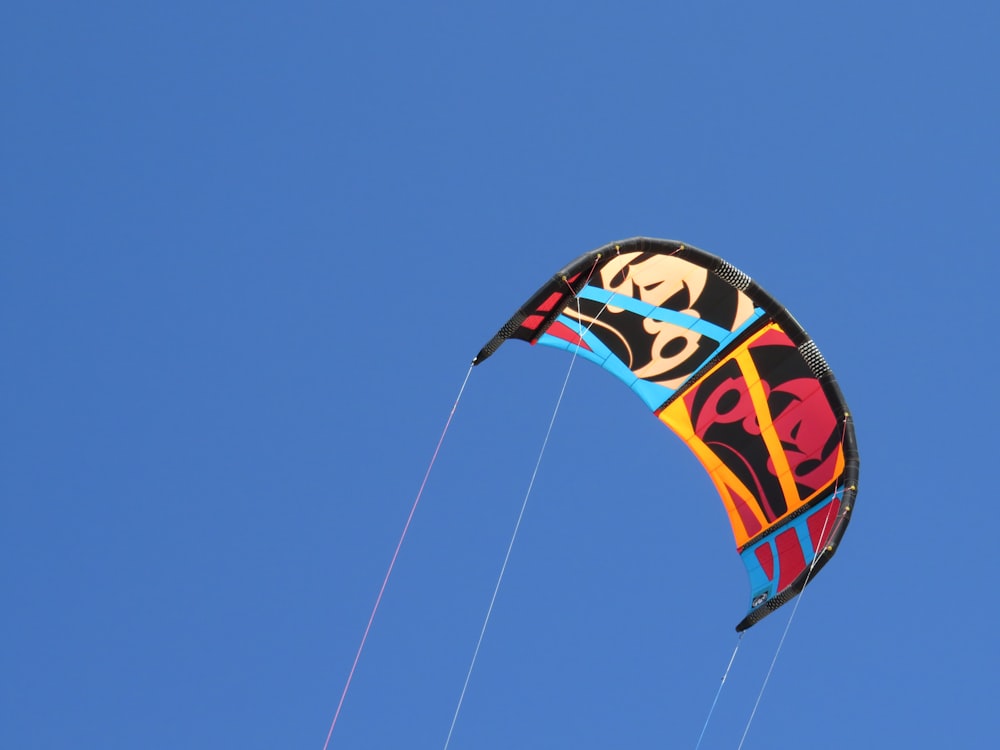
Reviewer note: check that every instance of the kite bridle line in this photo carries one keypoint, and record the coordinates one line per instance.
(506, 559)
(524, 505)
(406, 527)
(739, 640)
(395, 555)
(817, 553)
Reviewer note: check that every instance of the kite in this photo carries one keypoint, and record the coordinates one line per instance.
(725, 366)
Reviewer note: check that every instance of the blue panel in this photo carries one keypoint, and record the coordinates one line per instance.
(759, 582)
(646, 310)
(652, 394)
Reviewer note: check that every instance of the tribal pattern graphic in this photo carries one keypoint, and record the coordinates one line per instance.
(659, 315)
(730, 371)
(764, 425)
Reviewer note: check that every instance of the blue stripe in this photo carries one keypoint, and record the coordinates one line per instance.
(802, 527)
(646, 310)
(652, 394)
(759, 582)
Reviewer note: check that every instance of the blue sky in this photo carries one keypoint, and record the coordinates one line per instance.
(248, 251)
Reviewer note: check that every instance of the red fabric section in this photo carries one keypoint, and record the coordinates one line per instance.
(822, 522)
(550, 302)
(772, 337)
(791, 561)
(725, 419)
(765, 556)
(532, 322)
(725, 402)
(564, 332)
(807, 432)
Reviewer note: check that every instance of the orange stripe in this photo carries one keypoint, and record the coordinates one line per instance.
(767, 431)
(676, 417)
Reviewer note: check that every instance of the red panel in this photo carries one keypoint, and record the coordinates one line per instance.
(765, 556)
(773, 337)
(724, 418)
(551, 301)
(791, 561)
(532, 322)
(729, 402)
(807, 431)
(564, 332)
(822, 522)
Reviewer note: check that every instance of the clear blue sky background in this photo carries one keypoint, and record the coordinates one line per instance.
(247, 251)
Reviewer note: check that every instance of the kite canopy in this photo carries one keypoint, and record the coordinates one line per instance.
(727, 368)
